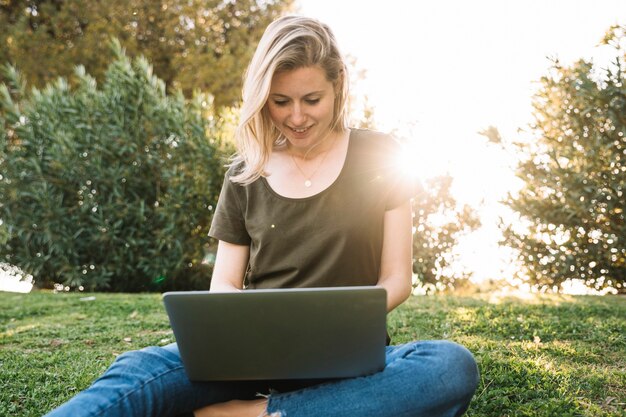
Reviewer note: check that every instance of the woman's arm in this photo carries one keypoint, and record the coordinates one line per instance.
(231, 262)
(396, 263)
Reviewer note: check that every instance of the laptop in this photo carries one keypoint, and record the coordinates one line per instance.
(304, 333)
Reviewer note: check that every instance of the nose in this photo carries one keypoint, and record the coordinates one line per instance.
(297, 115)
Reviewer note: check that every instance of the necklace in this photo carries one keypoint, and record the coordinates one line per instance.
(307, 180)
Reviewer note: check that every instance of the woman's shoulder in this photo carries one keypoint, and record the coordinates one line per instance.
(231, 183)
(234, 168)
(385, 155)
(368, 134)
(375, 143)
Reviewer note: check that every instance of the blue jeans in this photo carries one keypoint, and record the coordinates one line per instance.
(427, 378)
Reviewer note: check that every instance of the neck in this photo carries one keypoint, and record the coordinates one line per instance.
(323, 146)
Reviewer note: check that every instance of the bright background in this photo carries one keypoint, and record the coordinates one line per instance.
(440, 71)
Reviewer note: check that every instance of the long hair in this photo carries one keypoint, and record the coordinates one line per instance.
(289, 43)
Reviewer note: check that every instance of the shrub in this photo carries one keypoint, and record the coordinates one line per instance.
(108, 188)
(571, 208)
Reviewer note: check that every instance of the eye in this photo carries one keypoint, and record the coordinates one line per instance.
(312, 100)
(280, 103)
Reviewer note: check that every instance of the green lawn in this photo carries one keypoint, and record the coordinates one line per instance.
(545, 356)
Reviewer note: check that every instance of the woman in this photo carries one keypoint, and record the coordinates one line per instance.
(307, 202)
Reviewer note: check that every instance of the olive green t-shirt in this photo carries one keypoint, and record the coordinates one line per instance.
(333, 238)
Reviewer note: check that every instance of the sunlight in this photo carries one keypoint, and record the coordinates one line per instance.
(523, 292)
(578, 287)
(13, 279)
(481, 178)
(454, 74)
(420, 158)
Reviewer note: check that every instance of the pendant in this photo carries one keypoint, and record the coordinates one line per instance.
(307, 183)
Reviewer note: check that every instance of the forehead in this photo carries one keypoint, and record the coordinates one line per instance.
(300, 81)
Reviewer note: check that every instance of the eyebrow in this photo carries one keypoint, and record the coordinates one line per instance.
(306, 95)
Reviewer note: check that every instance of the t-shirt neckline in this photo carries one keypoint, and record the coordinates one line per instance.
(325, 190)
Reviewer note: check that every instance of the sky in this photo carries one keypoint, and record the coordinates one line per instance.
(441, 71)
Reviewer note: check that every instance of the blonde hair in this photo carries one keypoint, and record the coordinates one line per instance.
(289, 43)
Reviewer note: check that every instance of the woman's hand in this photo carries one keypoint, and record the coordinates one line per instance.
(235, 408)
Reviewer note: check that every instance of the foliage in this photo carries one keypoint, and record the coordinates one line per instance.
(367, 119)
(360, 108)
(111, 187)
(192, 44)
(546, 356)
(438, 224)
(574, 171)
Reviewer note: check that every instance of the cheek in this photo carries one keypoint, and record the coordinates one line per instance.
(328, 110)
(275, 114)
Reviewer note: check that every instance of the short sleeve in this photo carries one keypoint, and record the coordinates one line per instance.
(402, 185)
(228, 222)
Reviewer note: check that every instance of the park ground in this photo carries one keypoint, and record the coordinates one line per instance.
(539, 355)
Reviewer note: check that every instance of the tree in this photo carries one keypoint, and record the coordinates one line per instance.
(438, 224)
(192, 44)
(572, 202)
(110, 187)
(367, 119)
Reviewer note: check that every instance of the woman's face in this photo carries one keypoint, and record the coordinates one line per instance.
(301, 105)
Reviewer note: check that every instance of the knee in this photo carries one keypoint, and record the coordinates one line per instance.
(460, 371)
(444, 377)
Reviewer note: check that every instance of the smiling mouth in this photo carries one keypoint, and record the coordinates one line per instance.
(300, 130)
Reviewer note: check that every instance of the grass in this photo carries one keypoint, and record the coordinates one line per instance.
(543, 356)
